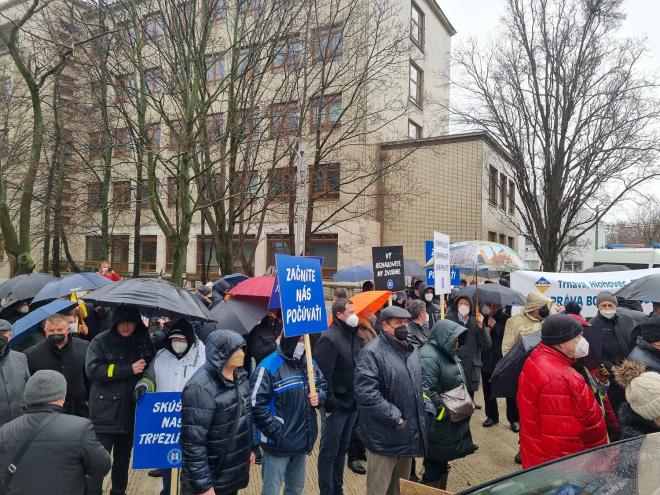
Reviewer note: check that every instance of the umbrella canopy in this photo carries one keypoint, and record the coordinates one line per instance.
(504, 380)
(357, 273)
(413, 268)
(257, 287)
(65, 286)
(643, 289)
(239, 315)
(494, 294)
(32, 319)
(367, 303)
(152, 294)
(606, 268)
(24, 287)
(234, 279)
(484, 255)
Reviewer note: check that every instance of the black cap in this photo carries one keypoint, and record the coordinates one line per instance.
(123, 313)
(650, 328)
(394, 312)
(557, 329)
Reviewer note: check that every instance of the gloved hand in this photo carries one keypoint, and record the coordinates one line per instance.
(139, 391)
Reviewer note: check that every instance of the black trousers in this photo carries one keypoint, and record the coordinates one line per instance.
(356, 449)
(120, 445)
(490, 403)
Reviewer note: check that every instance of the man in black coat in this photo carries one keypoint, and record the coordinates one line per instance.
(392, 404)
(336, 353)
(65, 354)
(496, 319)
(647, 350)
(99, 320)
(64, 452)
(216, 432)
(115, 362)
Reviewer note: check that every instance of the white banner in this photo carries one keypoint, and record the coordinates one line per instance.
(441, 266)
(580, 287)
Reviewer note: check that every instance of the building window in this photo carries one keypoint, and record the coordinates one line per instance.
(148, 250)
(492, 185)
(504, 191)
(326, 247)
(417, 25)
(503, 239)
(153, 28)
(325, 113)
(415, 85)
(122, 148)
(123, 86)
(414, 130)
(95, 145)
(326, 180)
(492, 237)
(172, 191)
(572, 266)
(176, 135)
(155, 82)
(327, 43)
(119, 251)
(247, 247)
(512, 198)
(94, 195)
(282, 182)
(215, 71)
(206, 255)
(121, 194)
(510, 242)
(210, 187)
(153, 136)
(214, 128)
(287, 54)
(93, 251)
(284, 119)
(276, 244)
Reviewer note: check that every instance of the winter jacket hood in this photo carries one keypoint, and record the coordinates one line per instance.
(220, 346)
(186, 329)
(444, 335)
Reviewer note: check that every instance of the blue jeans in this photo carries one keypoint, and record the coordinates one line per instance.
(335, 437)
(289, 470)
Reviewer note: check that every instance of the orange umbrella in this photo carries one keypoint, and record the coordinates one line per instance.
(367, 303)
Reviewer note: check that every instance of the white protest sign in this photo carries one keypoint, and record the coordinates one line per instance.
(579, 287)
(441, 263)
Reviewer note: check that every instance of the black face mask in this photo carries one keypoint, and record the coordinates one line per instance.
(401, 332)
(101, 312)
(4, 340)
(544, 312)
(56, 338)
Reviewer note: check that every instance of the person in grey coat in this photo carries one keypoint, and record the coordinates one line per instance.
(14, 374)
(63, 454)
(478, 340)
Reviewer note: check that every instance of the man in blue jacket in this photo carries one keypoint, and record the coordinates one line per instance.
(284, 412)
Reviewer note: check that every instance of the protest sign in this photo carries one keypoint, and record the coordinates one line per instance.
(274, 301)
(441, 267)
(388, 268)
(455, 277)
(428, 250)
(579, 287)
(157, 430)
(301, 295)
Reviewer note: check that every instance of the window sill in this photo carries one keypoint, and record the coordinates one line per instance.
(419, 46)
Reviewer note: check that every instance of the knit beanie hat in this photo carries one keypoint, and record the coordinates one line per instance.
(642, 388)
(43, 387)
(124, 313)
(536, 301)
(651, 329)
(557, 329)
(606, 296)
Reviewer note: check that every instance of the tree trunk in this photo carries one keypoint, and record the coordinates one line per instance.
(47, 215)
(138, 219)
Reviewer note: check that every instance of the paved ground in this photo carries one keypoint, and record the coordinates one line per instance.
(497, 447)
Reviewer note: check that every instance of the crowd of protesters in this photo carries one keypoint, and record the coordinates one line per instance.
(389, 387)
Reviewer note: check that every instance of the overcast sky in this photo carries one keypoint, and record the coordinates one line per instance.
(480, 19)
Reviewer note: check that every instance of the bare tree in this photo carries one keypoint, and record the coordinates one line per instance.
(641, 226)
(564, 96)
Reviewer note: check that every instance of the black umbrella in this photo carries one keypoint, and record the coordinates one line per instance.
(493, 294)
(67, 285)
(152, 294)
(643, 289)
(24, 287)
(504, 380)
(606, 268)
(239, 315)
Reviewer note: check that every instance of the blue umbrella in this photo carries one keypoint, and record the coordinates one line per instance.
(33, 318)
(65, 286)
(356, 273)
(234, 279)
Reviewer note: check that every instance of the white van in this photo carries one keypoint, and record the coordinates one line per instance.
(633, 258)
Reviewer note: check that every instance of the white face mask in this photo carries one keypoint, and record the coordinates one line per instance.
(485, 310)
(298, 351)
(464, 310)
(73, 327)
(582, 348)
(428, 297)
(179, 347)
(353, 320)
(608, 313)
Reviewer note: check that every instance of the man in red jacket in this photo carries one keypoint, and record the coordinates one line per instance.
(559, 414)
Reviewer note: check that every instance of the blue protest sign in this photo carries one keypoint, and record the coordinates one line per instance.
(301, 294)
(428, 249)
(455, 276)
(157, 430)
(274, 301)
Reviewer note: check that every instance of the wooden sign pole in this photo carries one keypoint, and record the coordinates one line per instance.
(174, 481)
(310, 364)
